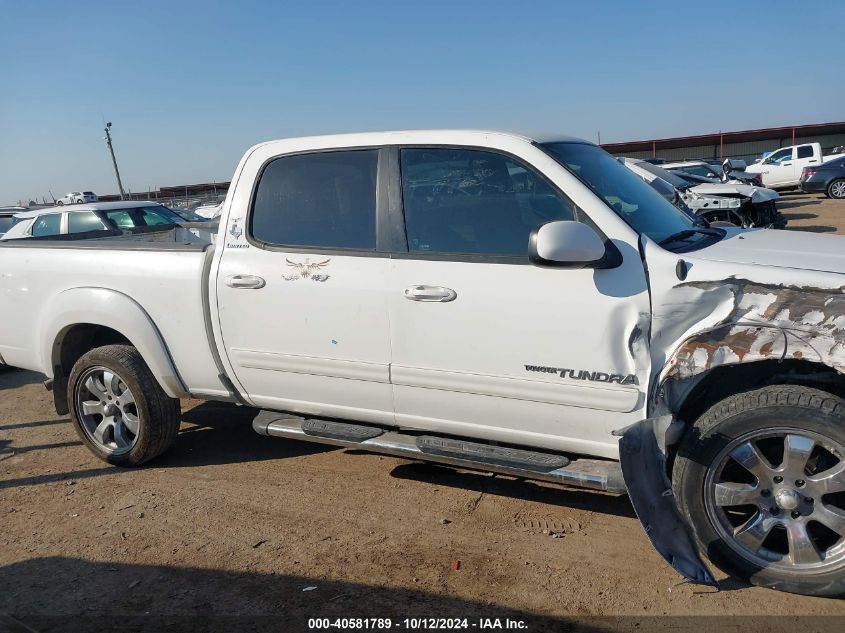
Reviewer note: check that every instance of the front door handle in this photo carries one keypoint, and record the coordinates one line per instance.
(247, 282)
(430, 293)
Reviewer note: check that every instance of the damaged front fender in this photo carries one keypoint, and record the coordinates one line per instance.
(643, 460)
(764, 322)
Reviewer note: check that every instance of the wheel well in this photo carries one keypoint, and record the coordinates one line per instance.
(70, 345)
(726, 380)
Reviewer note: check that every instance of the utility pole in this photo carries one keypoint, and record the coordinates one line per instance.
(114, 160)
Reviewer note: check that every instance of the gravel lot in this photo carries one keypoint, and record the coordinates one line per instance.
(230, 523)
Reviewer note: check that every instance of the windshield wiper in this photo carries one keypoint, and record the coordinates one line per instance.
(682, 235)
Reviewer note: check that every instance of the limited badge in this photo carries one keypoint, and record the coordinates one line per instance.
(306, 270)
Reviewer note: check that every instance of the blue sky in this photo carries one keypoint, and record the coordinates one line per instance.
(190, 85)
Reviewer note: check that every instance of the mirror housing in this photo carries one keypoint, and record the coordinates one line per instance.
(567, 244)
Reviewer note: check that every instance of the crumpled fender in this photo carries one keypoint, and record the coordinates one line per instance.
(644, 469)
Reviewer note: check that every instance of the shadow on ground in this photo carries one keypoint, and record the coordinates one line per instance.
(813, 228)
(216, 433)
(11, 378)
(794, 204)
(221, 433)
(524, 489)
(799, 216)
(39, 595)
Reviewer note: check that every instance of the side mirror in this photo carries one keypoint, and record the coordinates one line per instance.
(566, 244)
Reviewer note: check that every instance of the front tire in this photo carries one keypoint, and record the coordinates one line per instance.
(59, 203)
(836, 189)
(118, 408)
(761, 476)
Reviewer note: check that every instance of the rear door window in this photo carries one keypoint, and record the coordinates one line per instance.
(805, 151)
(45, 225)
(82, 221)
(320, 200)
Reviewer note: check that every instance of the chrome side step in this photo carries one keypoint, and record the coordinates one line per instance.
(596, 474)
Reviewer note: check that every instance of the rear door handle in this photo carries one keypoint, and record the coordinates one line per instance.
(430, 293)
(246, 282)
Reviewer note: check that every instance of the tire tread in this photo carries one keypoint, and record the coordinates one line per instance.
(164, 414)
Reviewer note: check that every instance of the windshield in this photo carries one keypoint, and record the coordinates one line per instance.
(142, 216)
(633, 200)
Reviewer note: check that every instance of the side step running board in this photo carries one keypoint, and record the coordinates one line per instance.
(596, 474)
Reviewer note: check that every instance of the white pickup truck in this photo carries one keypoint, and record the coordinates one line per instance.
(782, 168)
(482, 299)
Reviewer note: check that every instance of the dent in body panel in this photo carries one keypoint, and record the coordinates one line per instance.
(738, 321)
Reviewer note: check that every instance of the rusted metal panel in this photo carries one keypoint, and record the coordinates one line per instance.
(765, 322)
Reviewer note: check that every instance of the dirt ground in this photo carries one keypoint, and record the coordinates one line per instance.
(232, 524)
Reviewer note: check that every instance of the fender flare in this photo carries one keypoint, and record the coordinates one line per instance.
(115, 310)
(643, 459)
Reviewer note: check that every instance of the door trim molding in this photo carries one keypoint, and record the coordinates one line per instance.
(313, 365)
(616, 399)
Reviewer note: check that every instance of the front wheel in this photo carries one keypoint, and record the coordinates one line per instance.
(59, 203)
(836, 189)
(761, 477)
(118, 408)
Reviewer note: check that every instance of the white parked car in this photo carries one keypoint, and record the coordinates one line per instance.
(77, 197)
(486, 300)
(98, 216)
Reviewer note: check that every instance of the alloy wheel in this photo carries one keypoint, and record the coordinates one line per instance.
(107, 410)
(777, 498)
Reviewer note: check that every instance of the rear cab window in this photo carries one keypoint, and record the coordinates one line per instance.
(323, 200)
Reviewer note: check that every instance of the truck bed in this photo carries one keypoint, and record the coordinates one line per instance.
(161, 271)
(190, 237)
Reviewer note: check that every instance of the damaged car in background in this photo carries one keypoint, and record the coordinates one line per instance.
(486, 300)
(728, 202)
(730, 170)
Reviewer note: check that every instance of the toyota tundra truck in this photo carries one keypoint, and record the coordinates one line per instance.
(487, 300)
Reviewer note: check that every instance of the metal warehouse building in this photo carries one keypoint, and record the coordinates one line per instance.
(747, 145)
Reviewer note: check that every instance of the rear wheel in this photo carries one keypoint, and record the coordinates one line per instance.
(118, 408)
(836, 189)
(761, 476)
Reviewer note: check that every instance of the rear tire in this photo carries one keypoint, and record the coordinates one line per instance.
(118, 408)
(836, 189)
(761, 476)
